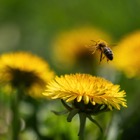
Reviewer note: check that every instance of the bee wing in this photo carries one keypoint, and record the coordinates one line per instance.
(112, 45)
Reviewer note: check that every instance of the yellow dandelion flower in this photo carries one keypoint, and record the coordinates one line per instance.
(127, 55)
(24, 70)
(88, 95)
(87, 89)
(69, 47)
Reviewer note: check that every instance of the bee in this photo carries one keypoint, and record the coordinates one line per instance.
(103, 48)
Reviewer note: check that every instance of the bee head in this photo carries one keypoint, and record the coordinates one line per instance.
(102, 44)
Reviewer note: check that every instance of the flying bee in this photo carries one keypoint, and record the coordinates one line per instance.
(103, 48)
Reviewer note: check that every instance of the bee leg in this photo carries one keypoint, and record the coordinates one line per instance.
(107, 60)
(94, 50)
(94, 46)
(101, 56)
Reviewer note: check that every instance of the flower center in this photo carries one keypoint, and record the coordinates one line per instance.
(24, 78)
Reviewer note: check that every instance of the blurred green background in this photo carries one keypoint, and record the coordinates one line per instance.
(32, 25)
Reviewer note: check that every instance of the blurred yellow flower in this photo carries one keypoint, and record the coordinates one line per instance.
(86, 89)
(69, 47)
(24, 70)
(127, 55)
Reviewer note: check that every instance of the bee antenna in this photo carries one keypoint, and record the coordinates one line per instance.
(94, 42)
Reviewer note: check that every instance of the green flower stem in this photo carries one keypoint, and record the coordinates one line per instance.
(82, 117)
(15, 116)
